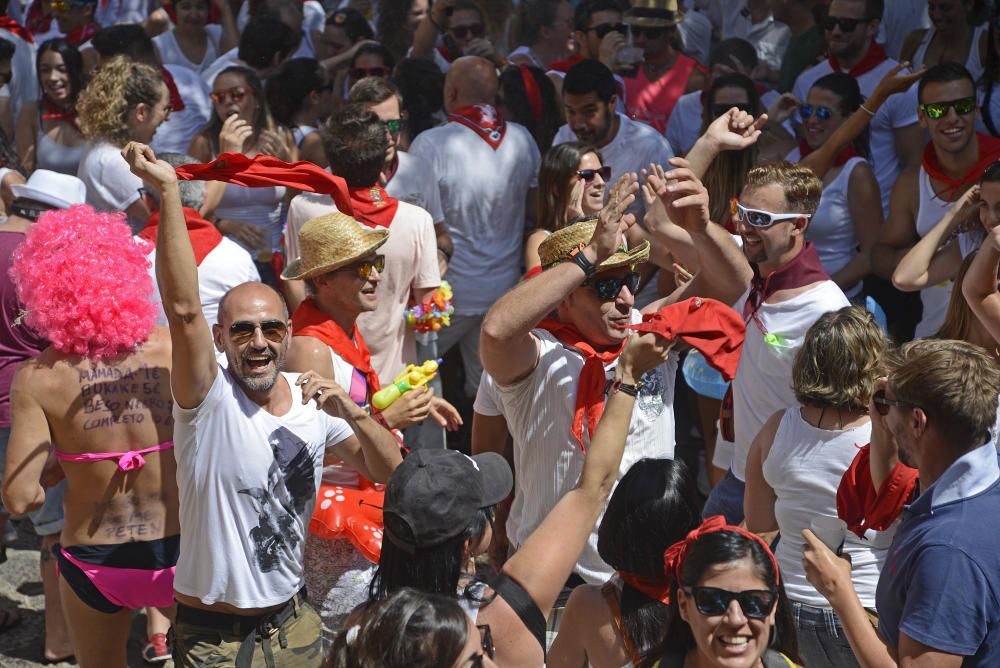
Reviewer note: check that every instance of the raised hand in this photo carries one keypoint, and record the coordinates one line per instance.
(735, 130)
(654, 187)
(643, 352)
(574, 208)
(828, 573)
(613, 221)
(895, 81)
(235, 131)
(144, 164)
(783, 108)
(685, 197)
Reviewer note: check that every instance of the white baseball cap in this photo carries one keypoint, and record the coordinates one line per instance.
(43, 185)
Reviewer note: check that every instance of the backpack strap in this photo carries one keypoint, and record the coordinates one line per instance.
(523, 606)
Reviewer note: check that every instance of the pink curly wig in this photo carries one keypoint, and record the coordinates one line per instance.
(84, 282)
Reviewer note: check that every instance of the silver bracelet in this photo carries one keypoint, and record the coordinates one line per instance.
(867, 110)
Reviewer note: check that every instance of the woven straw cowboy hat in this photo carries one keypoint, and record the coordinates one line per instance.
(330, 242)
(557, 246)
(654, 14)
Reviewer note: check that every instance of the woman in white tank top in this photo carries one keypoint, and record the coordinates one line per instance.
(192, 42)
(796, 463)
(949, 39)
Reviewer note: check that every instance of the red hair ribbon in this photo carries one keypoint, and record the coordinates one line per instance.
(673, 557)
(533, 92)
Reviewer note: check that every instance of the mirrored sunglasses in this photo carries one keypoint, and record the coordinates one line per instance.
(589, 174)
(394, 126)
(822, 113)
(236, 94)
(609, 287)
(364, 268)
(712, 601)
(243, 330)
(760, 218)
(962, 107)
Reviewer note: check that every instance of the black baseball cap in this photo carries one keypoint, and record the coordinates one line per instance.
(434, 495)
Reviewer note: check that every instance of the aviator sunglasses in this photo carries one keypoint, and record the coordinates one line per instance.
(364, 268)
(243, 330)
(822, 113)
(588, 174)
(712, 601)
(962, 106)
(760, 218)
(608, 287)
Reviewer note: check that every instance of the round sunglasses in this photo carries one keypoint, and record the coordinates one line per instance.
(713, 602)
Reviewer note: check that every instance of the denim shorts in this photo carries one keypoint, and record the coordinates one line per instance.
(822, 641)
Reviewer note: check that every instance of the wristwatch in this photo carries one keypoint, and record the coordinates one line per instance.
(616, 385)
(577, 257)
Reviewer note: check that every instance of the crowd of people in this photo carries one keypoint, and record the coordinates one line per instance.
(711, 286)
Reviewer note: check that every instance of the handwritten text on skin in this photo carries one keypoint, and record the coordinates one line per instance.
(123, 396)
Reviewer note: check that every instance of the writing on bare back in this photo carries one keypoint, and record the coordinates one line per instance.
(113, 395)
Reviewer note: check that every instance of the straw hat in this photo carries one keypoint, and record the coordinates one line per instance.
(557, 246)
(654, 14)
(330, 242)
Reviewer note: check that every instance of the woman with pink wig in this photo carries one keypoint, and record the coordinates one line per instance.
(99, 399)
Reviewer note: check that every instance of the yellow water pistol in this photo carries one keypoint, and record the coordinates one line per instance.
(412, 377)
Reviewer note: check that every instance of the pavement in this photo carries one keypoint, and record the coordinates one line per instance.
(21, 589)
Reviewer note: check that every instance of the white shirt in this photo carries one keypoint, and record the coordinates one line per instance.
(547, 457)
(415, 183)
(684, 126)
(111, 186)
(899, 19)
(899, 111)
(483, 195)
(247, 482)
(410, 263)
(176, 133)
(763, 383)
(171, 54)
(769, 37)
(230, 58)
(23, 84)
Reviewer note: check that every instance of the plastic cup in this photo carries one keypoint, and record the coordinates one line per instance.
(830, 530)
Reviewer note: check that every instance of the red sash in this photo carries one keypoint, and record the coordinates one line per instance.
(989, 151)
(373, 206)
(13, 27)
(483, 119)
(308, 320)
(804, 269)
(204, 235)
(875, 57)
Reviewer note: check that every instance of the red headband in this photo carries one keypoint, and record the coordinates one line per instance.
(673, 558)
(532, 91)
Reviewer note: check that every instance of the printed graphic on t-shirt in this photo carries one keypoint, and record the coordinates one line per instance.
(650, 397)
(291, 486)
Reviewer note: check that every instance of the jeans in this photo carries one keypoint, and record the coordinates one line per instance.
(726, 499)
(464, 331)
(822, 641)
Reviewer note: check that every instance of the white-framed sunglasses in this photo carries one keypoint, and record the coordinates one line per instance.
(760, 218)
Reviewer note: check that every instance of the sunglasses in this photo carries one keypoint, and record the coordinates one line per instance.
(720, 109)
(63, 7)
(273, 330)
(609, 287)
(649, 33)
(394, 126)
(936, 110)
(846, 24)
(605, 29)
(461, 32)
(364, 268)
(712, 601)
(822, 113)
(759, 218)
(488, 646)
(362, 72)
(235, 94)
(884, 403)
(588, 174)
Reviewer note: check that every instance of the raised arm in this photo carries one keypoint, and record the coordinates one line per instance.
(230, 37)
(930, 262)
(508, 348)
(980, 286)
(735, 130)
(193, 353)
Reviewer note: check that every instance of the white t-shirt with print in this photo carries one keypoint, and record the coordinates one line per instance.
(247, 482)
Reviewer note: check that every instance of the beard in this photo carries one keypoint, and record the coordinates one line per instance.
(257, 383)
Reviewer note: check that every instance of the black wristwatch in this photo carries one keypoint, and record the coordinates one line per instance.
(616, 385)
(577, 257)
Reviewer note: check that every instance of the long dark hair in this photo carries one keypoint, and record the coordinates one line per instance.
(559, 164)
(991, 73)
(846, 88)
(725, 176)
(71, 59)
(287, 91)
(422, 86)
(654, 505)
(261, 114)
(390, 28)
(725, 547)
(518, 108)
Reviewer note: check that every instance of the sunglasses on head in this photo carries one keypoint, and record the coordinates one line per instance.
(236, 94)
(608, 287)
(394, 126)
(759, 218)
(649, 33)
(822, 113)
(588, 174)
(962, 106)
(712, 601)
(364, 268)
(884, 403)
(243, 330)
(362, 72)
(474, 29)
(720, 109)
(846, 24)
(604, 29)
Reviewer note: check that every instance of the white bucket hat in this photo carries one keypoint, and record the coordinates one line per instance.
(43, 186)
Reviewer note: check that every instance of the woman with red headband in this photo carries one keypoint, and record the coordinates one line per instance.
(728, 603)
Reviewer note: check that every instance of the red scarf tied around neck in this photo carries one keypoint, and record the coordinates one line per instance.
(51, 112)
(204, 235)
(875, 57)
(590, 388)
(308, 320)
(483, 119)
(373, 206)
(655, 589)
(989, 152)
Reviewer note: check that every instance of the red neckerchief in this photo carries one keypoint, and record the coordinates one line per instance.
(483, 119)
(565, 65)
(36, 22)
(845, 155)
(83, 34)
(176, 101)
(308, 320)
(13, 27)
(673, 557)
(861, 506)
(443, 50)
(204, 235)
(373, 206)
(654, 589)
(52, 112)
(590, 388)
(875, 57)
(989, 151)
(804, 269)
(264, 171)
(709, 326)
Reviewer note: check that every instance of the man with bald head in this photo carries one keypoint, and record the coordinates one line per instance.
(487, 171)
(249, 452)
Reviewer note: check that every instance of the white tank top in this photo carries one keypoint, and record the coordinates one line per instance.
(804, 468)
(832, 229)
(171, 54)
(257, 206)
(973, 63)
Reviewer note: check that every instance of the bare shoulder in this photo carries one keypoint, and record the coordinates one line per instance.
(307, 353)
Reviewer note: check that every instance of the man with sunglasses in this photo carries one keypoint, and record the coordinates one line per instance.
(550, 374)
(249, 451)
(937, 596)
(450, 30)
(896, 138)
(76, 19)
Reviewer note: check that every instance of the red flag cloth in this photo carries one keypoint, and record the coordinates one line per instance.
(533, 93)
(308, 320)
(13, 27)
(83, 34)
(262, 171)
(709, 326)
(51, 112)
(204, 235)
(655, 590)
(842, 157)
(875, 57)
(373, 206)
(861, 506)
(989, 152)
(483, 119)
(564, 66)
(590, 388)
(36, 22)
(673, 557)
(176, 101)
